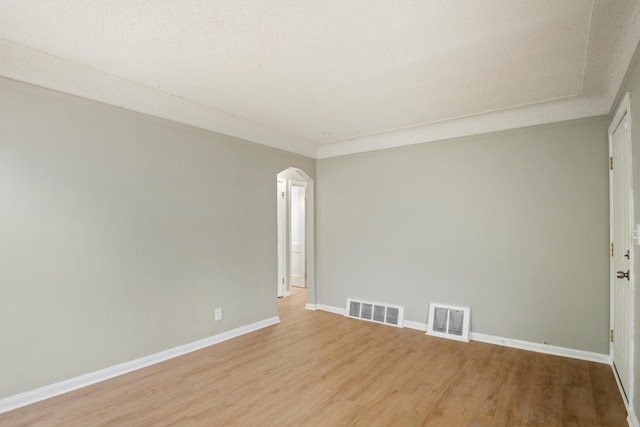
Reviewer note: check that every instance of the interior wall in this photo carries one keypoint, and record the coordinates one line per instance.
(122, 233)
(512, 224)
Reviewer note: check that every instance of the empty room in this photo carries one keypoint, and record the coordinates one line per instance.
(260, 213)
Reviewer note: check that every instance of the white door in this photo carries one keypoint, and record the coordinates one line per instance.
(282, 237)
(622, 245)
(297, 233)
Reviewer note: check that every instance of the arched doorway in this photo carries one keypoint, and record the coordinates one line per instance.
(295, 204)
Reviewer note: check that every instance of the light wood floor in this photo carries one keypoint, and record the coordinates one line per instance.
(322, 369)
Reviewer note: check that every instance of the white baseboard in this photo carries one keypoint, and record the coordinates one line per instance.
(32, 396)
(507, 342)
(330, 309)
(415, 325)
(542, 348)
(632, 419)
(311, 307)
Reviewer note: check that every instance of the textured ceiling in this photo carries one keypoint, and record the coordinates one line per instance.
(331, 77)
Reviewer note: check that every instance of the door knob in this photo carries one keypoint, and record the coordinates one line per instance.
(623, 274)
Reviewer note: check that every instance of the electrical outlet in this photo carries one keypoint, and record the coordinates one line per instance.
(219, 313)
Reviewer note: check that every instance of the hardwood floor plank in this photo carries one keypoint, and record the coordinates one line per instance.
(319, 369)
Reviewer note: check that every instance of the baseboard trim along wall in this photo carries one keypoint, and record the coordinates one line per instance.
(507, 342)
(542, 348)
(22, 399)
(415, 325)
(632, 419)
(330, 309)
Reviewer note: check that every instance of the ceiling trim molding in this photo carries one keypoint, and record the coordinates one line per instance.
(606, 71)
(37, 68)
(526, 116)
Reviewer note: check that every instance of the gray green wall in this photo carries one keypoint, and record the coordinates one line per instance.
(513, 224)
(120, 234)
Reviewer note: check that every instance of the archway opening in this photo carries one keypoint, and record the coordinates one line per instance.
(296, 240)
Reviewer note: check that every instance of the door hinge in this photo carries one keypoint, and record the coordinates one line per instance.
(611, 335)
(611, 163)
(282, 194)
(283, 280)
(612, 249)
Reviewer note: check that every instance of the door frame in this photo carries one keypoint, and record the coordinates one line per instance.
(623, 108)
(281, 216)
(296, 183)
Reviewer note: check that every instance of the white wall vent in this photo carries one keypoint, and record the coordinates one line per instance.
(447, 321)
(375, 312)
